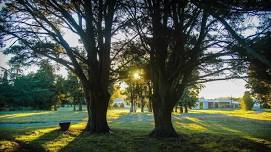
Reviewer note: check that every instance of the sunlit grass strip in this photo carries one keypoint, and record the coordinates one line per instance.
(257, 115)
(23, 114)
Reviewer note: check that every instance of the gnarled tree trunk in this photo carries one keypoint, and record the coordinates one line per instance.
(97, 103)
(98, 122)
(162, 118)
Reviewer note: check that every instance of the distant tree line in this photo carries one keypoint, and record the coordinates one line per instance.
(40, 90)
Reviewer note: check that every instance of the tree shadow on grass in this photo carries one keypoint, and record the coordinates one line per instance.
(132, 136)
(123, 140)
(226, 124)
(42, 117)
(36, 145)
(230, 113)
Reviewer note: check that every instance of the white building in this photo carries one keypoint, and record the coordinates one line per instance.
(256, 105)
(120, 102)
(216, 104)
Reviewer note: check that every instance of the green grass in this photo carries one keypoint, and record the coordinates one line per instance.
(42, 116)
(200, 130)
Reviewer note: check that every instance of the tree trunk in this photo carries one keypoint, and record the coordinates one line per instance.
(97, 103)
(185, 109)
(87, 98)
(98, 119)
(80, 104)
(74, 104)
(132, 102)
(135, 104)
(98, 112)
(55, 107)
(150, 105)
(142, 104)
(181, 109)
(131, 107)
(162, 119)
(176, 109)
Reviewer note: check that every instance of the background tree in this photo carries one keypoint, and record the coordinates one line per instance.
(130, 67)
(61, 91)
(247, 102)
(189, 97)
(74, 90)
(5, 90)
(45, 79)
(133, 80)
(37, 90)
(117, 92)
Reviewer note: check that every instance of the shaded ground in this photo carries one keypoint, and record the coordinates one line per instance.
(201, 130)
(33, 124)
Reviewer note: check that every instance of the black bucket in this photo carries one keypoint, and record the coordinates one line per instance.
(64, 126)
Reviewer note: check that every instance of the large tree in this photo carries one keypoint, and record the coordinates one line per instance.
(175, 49)
(178, 36)
(40, 29)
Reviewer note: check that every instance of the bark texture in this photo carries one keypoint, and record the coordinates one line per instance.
(97, 104)
(162, 118)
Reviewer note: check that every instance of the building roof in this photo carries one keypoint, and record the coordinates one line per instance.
(118, 100)
(219, 100)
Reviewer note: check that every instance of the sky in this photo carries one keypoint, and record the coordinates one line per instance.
(225, 88)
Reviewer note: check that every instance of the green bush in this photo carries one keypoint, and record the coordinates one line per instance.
(121, 105)
(247, 102)
(115, 105)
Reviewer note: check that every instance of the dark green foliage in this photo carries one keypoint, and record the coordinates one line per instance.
(189, 97)
(35, 90)
(5, 90)
(74, 90)
(247, 101)
(40, 90)
(260, 74)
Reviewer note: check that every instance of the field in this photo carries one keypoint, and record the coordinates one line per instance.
(199, 130)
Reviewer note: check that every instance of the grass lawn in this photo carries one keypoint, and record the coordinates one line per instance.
(199, 130)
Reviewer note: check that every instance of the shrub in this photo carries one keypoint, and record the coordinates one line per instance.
(115, 105)
(247, 102)
(121, 105)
